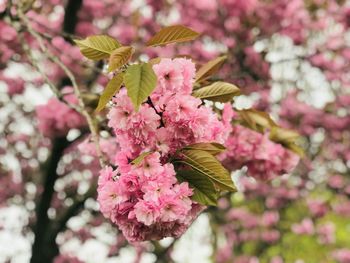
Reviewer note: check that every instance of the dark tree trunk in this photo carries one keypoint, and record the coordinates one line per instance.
(44, 248)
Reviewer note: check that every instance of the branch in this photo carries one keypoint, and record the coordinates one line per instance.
(81, 108)
(162, 253)
(35, 64)
(50, 178)
(70, 17)
(149, 102)
(71, 211)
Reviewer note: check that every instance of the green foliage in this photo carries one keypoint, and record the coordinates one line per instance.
(140, 158)
(287, 138)
(304, 247)
(113, 86)
(218, 91)
(261, 122)
(204, 190)
(97, 47)
(256, 120)
(209, 69)
(212, 148)
(207, 165)
(140, 80)
(172, 34)
(119, 57)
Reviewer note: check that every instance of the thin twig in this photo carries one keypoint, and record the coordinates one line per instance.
(81, 108)
(35, 64)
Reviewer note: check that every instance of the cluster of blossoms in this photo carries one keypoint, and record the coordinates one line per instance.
(239, 25)
(145, 199)
(56, 118)
(14, 85)
(264, 158)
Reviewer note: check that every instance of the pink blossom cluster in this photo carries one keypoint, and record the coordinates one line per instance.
(56, 118)
(145, 200)
(8, 39)
(14, 85)
(250, 222)
(326, 233)
(108, 147)
(264, 158)
(273, 197)
(171, 118)
(305, 227)
(342, 255)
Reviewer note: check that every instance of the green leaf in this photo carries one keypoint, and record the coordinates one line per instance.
(209, 69)
(206, 164)
(119, 57)
(140, 80)
(212, 148)
(140, 158)
(97, 47)
(218, 91)
(172, 34)
(295, 148)
(154, 61)
(287, 138)
(256, 120)
(279, 134)
(204, 191)
(112, 88)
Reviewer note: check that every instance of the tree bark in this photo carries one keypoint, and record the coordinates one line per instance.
(44, 248)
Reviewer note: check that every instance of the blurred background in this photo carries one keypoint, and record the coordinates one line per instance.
(289, 57)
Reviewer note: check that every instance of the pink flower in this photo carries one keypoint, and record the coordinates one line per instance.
(14, 85)
(129, 183)
(169, 75)
(106, 175)
(110, 195)
(270, 218)
(270, 236)
(122, 160)
(306, 227)
(107, 146)
(265, 159)
(56, 118)
(119, 115)
(342, 255)
(146, 212)
(181, 108)
(326, 233)
(163, 140)
(317, 208)
(150, 166)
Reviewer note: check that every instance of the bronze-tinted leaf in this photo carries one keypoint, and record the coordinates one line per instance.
(112, 88)
(212, 148)
(288, 138)
(119, 57)
(218, 91)
(97, 47)
(154, 61)
(209, 69)
(256, 120)
(172, 34)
